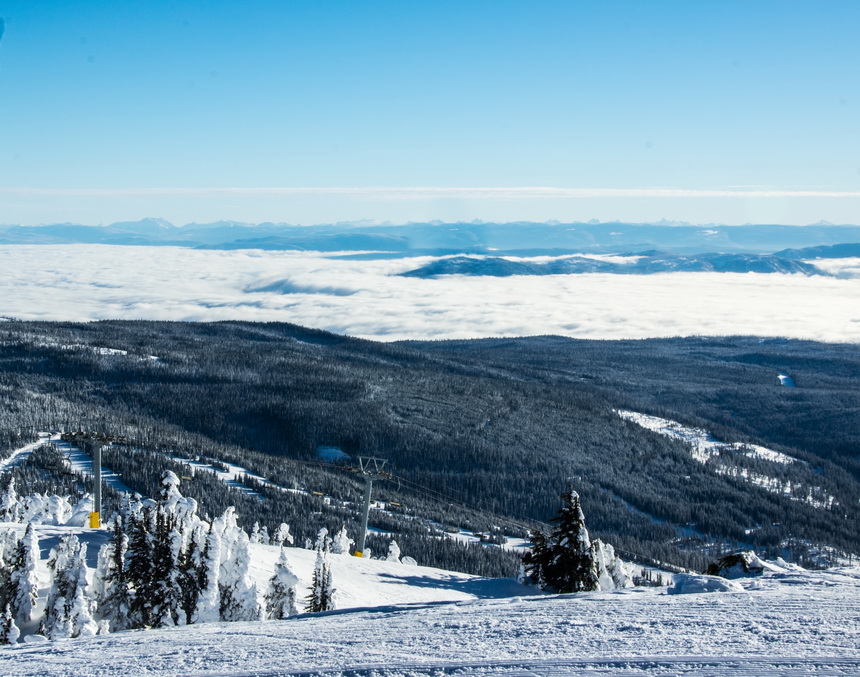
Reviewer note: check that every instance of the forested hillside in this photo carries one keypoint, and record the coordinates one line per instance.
(477, 434)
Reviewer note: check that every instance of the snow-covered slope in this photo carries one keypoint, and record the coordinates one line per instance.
(787, 622)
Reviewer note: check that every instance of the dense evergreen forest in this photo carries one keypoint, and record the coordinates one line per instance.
(484, 435)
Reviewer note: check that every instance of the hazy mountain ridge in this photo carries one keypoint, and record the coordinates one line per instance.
(642, 264)
(449, 237)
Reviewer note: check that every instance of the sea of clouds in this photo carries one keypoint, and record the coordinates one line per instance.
(367, 298)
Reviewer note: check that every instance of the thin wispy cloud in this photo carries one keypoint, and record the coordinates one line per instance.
(430, 192)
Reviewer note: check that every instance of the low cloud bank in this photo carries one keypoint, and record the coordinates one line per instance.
(364, 298)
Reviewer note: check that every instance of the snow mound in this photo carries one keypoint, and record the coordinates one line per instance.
(691, 584)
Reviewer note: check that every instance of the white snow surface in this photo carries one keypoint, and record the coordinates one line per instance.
(396, 619)
(704, 446)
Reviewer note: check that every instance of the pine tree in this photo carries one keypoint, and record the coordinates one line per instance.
(565, 561)
(68, 611)
(536, 560)
(9, 632)
(209, 600)
(10, 508)
(23, 582)
(139, 568)
(341, 543)
(113, 589)
(321, 597)
(282, 535)
(166, 549)
(192, 573)
(281, 597)
(393, 552)
(238, 591)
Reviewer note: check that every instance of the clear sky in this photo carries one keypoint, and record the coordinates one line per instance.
(745, 111)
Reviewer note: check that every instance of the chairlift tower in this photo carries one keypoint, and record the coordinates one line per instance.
(96, 441)
(372, 469)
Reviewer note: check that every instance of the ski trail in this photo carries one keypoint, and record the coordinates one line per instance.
(81, 462)
(18, 456)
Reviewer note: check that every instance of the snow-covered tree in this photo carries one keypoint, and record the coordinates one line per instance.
(111, 585)
(238, 592)
(282, 535)
(139, 568)
(281, 597)
(565, 561)
(393, 552)
(341, 543)
(612, 573)
(323, 541)
(23, 582)
(192, 572)
(68, 611)
(9, 632)
(166, 553)
(322, 594)
(10, 508)
(209, 600)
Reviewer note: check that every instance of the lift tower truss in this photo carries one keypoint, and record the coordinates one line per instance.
(372, 469)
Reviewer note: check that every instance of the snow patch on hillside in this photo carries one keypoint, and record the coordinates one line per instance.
(710, 451)
(703, 445)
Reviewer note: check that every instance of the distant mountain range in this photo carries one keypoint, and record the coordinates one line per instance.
(641, 264)
(448, 238)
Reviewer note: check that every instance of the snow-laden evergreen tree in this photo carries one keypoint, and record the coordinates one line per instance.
(565, 561)
(282, 535)
(341, 543)
(281, 597)
(323, 541)
(139, 559)
(322, 594)
(68, 611)
(612, 573)
(393, 552)
(192, 572)
(536, 560)
(23, 582)
(238, 592)
(166, 553)
(573, 567)
(111, 585)
(209, 600)
(9, 632)
(10, 508)
(265, 539)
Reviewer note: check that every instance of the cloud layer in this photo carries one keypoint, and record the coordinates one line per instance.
(363, 298)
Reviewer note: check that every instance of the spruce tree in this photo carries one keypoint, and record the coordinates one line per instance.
(9, 632)
(139, 568)
(114, 593)
(23, 581)
(281, 597)
(565, 561)
(321, 597)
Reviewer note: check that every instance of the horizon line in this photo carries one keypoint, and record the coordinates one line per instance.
(430, 192)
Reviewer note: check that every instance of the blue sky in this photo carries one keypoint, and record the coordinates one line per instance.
(748, 111)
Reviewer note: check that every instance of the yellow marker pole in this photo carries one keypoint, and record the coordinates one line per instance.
(95, 520)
